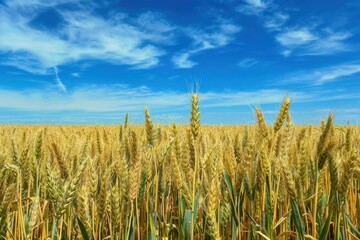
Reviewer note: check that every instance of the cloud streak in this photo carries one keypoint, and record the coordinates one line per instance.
(59, 83)
(304, 41)
(247, 63)
(220, 36)
(323, 75)
(272, 18)
(253, 7)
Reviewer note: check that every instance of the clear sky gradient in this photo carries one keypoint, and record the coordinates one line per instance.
(83, 62)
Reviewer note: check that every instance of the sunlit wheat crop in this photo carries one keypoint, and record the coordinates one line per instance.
(259, 181)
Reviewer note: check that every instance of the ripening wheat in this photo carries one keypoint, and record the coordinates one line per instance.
(181, 182)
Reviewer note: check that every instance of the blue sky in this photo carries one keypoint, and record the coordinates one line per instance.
(74, 61)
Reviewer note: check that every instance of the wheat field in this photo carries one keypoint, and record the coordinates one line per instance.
(181, 182)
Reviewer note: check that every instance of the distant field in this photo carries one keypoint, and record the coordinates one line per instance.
(181, 182)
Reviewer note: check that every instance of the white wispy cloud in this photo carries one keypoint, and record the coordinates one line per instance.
(181, 60)
(296, 40)
(137, 41)
(269, 13)
(257, 3)
(306, 41)
(107, 98)
(295, 37)
(93, 98)
(329, 44)
(108, 103)
(216, 37)
(33, 4)
(275, 21)
(253, 7)
(335, 73)
(323, 75)
(76, 74)
(82, 35)
(247, 62)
